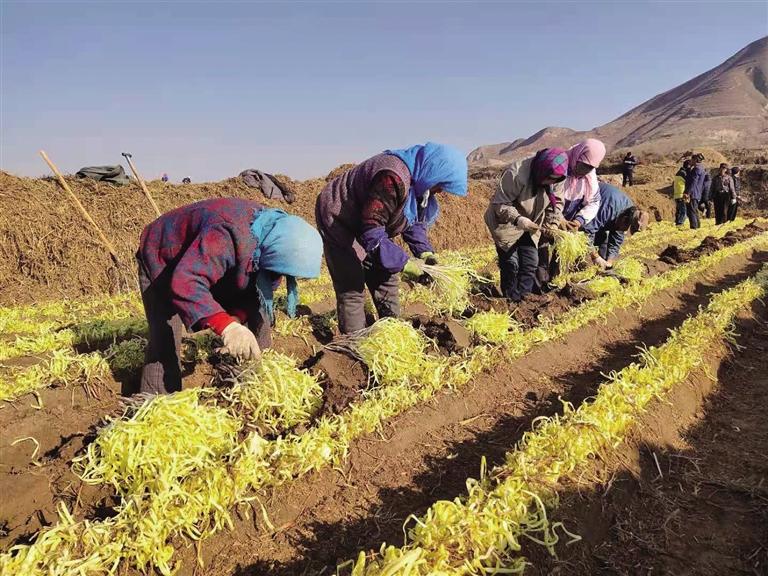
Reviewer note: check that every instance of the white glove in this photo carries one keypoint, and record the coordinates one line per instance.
(733, 201)
(526, 224)
(241, 342)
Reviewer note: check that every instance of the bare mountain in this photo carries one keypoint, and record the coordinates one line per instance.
(723, 108)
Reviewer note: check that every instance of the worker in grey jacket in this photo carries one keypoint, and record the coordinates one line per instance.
(527, 200)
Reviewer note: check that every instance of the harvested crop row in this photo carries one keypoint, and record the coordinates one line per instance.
(257, 463)
(481, 532)
(42, 317)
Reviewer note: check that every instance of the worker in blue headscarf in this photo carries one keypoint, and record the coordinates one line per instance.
(360, 212)
(214, 264)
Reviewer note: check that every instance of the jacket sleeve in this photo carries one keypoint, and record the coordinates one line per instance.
(503, 201)
(416, 238)
(205, 262)
(386, 193)
(589, 210)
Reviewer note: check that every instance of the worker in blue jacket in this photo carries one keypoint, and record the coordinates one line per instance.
(616, 217)
(694, 189)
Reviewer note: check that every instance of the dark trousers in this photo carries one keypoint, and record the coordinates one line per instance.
(732, 209)
(628, 179)
(518, 268)
(722, 203)
(601, 243)
(349, 282)
(680, 212)
(692, 210)
(162, 357)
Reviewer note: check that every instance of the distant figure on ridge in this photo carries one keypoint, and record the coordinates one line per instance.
(528, 199)
(186, 181)
(165, 177)
(214, 264)
(360, 213)
(628, 169)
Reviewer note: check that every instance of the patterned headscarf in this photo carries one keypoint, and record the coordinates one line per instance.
(549, 163)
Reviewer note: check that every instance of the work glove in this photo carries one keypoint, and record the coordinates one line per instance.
(733, 201)
(413, 269)
(526, 225)
(573, 225)
(600, 262)
(429, 258)
(241, 342)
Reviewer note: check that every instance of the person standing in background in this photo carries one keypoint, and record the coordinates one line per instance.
(678, 191)
(164, 177)
(734, 206)
(694, 187)
(628, 169)
(723, 192)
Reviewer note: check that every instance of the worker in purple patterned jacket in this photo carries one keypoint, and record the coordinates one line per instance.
(214, 264)
(360, 212)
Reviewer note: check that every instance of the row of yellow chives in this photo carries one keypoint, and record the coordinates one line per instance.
(329, 440)
(481, 532)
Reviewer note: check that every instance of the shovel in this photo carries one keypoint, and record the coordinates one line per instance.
(141, 182)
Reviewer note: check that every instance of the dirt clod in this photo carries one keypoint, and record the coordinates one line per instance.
(343, 380)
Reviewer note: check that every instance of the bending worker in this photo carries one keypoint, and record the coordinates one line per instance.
(214, 264)
(616, 217)
(529, 197)
(360, 212)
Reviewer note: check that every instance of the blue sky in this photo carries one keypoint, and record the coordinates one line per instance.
(206, 89)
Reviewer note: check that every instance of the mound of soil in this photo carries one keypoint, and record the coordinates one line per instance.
(710, 244)
(535, 307)
(343, 380)
(47, 251)
(450, 336)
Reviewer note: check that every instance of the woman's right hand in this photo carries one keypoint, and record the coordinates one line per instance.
(241, 342)
(527, 225)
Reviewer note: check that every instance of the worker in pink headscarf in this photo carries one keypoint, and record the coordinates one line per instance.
(582, 190)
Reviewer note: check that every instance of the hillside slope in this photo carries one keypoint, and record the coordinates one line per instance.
(726, 106)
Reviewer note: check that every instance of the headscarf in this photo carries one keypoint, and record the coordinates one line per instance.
(591, 151)
(430, 165)
(549, 163)
(287, 246)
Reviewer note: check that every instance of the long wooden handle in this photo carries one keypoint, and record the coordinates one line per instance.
(143, 185)
(80, 207)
